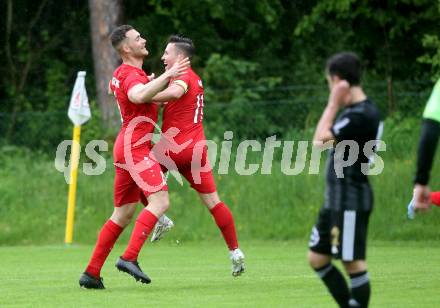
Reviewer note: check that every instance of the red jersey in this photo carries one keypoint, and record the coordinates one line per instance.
(124, 78)
(132, 184)
(186, 113)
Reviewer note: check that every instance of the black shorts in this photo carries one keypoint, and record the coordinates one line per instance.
(348, 194)
(342, 234)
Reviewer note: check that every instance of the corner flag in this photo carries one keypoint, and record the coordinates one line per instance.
(79, 113)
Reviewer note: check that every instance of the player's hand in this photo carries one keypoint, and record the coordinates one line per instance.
(422, 199)
(179, 68)
(340, 93)
(151, 77)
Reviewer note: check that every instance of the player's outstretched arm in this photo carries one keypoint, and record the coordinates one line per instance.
(429, 136)
(143, 93)
(427, 145)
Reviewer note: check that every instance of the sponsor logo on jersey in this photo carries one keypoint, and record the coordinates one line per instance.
(314, 237)
(115, 82)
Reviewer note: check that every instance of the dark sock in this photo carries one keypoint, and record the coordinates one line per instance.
(335, 283)
(360, 289)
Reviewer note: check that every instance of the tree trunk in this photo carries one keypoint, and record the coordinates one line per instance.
(104, 16)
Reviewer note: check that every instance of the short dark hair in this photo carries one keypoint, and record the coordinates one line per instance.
(184, 44)
(345, 65)
(118, 35)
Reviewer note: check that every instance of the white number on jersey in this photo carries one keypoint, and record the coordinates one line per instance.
(199, 109)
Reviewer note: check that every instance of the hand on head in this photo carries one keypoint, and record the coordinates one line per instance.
(340, 93)
(179, 68)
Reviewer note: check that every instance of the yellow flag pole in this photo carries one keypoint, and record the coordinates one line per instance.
(74, 160)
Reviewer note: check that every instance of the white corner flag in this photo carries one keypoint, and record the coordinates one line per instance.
(79, 113)
(79, 109)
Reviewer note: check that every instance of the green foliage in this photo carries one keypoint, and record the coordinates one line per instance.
(238, 97)
(432, 42)
(92, 129)
(262, 61)
(308, 22)
(56, 96)
(385, 34)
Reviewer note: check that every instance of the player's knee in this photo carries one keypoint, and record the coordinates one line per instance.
(317, 260)
(122, 219)
(123, 215)
(312, 259)
(355, 266)
(210, 200)
(159, 205)
(127, 218)
(210, 204)
(165, 204)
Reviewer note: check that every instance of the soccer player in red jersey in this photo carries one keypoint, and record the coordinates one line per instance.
(435, 198)
(138, 176)
(183, 109)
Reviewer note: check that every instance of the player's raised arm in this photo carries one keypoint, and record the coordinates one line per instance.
(339, 91)
(144, 93)
(323, 131)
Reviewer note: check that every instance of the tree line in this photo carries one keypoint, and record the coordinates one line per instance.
(260, 59)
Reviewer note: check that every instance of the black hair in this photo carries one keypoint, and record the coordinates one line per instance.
(118, 35)
(184, 44)
(345, 65)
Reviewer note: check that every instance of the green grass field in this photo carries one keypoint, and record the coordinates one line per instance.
(403, 274)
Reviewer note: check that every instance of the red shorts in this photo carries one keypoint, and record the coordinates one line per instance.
(201, 179)
(137, 177)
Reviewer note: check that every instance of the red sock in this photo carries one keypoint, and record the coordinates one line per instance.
(106, 240)
(225, 222)
(435, 198)
(142, 229)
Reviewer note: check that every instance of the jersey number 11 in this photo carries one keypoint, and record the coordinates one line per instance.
(198, 116)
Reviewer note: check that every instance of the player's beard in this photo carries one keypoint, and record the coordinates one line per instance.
(141, 54)
(138, 53)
